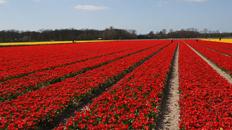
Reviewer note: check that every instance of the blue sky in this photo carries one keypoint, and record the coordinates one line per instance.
(141, 15)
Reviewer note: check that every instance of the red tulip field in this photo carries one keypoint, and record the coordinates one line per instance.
(134, 84)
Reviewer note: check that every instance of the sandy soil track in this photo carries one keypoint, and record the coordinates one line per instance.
(171, 111)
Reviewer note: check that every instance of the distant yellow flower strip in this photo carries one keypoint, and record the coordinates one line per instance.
(227, 40)
(48, 43)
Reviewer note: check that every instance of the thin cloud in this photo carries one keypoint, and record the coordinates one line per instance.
(37, 0)
(2, 2)
(196, 1)
(82, 7)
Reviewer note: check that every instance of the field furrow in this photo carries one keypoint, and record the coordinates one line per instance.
(169, 110)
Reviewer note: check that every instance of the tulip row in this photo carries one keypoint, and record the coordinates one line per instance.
(223, 61)
(43, 105)
(20, 61)
(132, 103)
(12, 88)
(205, 98)
(221, 47)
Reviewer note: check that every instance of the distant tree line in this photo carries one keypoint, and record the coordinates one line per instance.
(107, 34)
(185, 33)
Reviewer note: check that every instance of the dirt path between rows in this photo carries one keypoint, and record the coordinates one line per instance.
(171, 114)
(214, 66)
